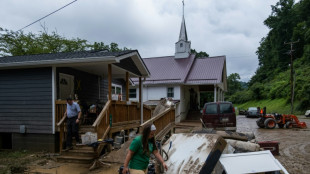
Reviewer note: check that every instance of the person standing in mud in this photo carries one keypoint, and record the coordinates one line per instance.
(138, 155)
(73, 113)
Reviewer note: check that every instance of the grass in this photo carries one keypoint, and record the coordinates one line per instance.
(276, 105)
(15, 161)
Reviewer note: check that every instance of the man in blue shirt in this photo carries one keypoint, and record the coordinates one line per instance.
(73, 114)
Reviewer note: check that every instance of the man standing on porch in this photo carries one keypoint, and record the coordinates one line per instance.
(73, 114)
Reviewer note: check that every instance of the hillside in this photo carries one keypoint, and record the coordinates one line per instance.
(289, 21)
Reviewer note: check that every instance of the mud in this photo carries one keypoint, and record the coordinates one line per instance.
(294, 143)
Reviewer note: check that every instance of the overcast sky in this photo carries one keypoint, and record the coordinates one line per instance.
(219, 27)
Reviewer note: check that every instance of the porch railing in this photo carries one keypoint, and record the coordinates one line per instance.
(163, 121)
(60, 109)
(102, 123)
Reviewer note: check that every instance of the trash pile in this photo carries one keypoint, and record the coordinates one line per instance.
(215, 152)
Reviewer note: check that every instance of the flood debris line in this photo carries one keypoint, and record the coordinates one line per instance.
(194, 153)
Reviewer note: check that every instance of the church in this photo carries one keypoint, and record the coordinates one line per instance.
(188, 81)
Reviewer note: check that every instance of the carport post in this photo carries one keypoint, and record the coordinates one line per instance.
(110, 81)
(214, 92)
(127, 86)
(140, 99)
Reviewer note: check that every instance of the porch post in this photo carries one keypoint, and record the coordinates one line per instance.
(140, 99)
(54, 97)
(214, 93)
(110, 81)
(127, 86)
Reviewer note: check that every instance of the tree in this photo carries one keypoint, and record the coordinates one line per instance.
(18, 43)
(234, 84)
(199, 54)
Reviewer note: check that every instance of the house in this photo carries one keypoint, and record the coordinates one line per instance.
(188, 81)
(34, 87)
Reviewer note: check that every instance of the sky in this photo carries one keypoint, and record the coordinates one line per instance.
(232, 27)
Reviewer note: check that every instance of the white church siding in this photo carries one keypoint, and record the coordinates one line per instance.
(157, 92)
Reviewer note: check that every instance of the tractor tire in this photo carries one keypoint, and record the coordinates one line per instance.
(260, 123)
(280, 125)
(270, 123)
(288, 125)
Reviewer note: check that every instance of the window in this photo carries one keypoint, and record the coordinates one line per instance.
(116, 89)
(132, 93)
(225, 108)
(170, 92)
(181, 44)
(211, 109)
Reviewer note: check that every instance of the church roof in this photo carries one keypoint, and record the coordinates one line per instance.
(192, 71)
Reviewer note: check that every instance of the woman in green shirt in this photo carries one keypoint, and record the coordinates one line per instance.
(141, 147)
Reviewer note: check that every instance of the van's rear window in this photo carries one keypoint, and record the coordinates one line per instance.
(225, 108)
(211, 109)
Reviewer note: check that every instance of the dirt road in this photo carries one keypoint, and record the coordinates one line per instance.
(294, 143)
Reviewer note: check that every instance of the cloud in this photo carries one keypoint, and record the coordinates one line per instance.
(231, 27)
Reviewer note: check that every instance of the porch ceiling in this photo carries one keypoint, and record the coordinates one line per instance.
(101, 69)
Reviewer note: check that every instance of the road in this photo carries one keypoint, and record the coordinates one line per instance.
(294, 143)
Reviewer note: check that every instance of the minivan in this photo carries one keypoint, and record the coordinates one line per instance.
(219, 116)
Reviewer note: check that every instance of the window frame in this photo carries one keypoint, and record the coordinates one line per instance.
(114, 86)
(131, 93)
(170, 92)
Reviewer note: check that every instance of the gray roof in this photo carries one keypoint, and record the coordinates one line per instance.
(62, 56)
(191, 70)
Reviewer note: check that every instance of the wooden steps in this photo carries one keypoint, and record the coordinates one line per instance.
(81, 154)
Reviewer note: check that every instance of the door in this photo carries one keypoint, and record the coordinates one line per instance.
(211, 116)
(66, 86)
(226, 115)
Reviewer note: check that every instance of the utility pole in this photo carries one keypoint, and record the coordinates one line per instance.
(292, 71)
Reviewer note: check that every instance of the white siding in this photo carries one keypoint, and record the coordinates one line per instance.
(157, 92)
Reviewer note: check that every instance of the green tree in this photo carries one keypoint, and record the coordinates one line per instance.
(19, 43)
(199, 54)
(233, 83)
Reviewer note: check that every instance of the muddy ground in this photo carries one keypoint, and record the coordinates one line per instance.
(294, 143)
(294, 148)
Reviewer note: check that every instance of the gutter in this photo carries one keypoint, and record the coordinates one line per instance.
(111, 59)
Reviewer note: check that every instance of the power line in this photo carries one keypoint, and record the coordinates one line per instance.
(47, 15)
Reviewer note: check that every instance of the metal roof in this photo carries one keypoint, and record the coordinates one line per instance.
(191, 70)
(62, 56)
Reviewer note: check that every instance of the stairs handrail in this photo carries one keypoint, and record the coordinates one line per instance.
(102, 113)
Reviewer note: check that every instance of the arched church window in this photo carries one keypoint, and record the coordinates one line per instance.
(181, 44)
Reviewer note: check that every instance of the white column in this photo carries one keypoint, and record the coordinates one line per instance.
(53, 97)
(215, 93)
(141, 102)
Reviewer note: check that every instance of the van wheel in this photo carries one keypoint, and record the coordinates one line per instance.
(260, 123)
(270, 123)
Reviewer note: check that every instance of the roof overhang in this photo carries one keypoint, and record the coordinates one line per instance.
(93, 65)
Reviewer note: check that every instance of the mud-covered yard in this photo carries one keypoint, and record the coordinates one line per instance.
(294, 143)
(294, 151)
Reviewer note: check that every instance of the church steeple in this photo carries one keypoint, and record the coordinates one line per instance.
(183, 46)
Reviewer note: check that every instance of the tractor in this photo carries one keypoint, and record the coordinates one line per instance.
(270, 121)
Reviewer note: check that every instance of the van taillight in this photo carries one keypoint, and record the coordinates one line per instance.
(204, 111)
(233, 110)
